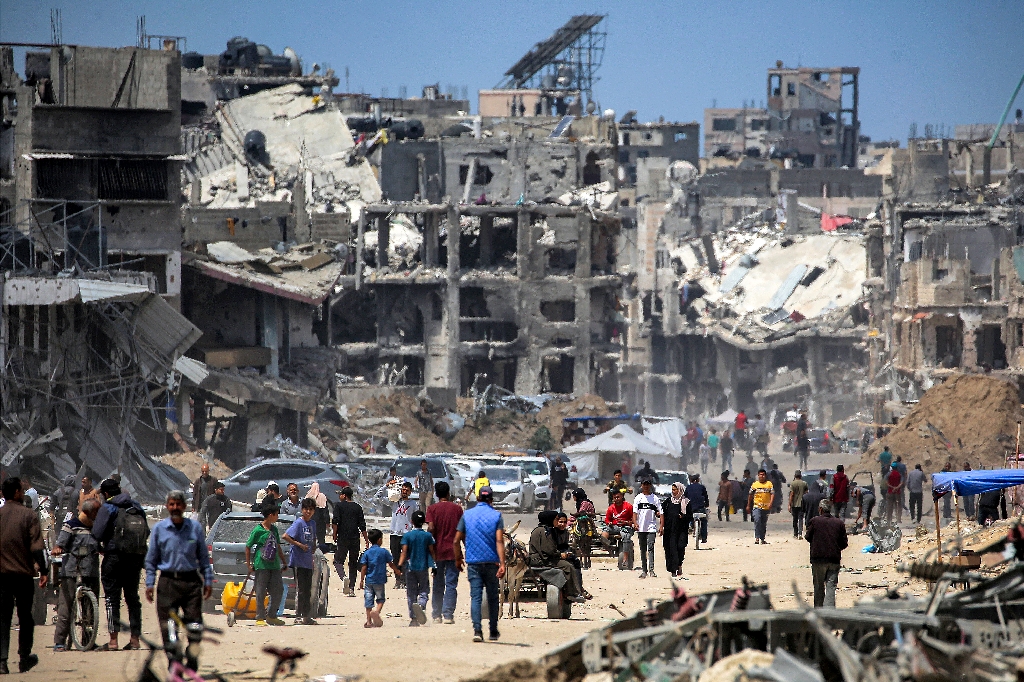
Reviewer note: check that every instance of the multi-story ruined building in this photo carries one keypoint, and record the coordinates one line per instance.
(733, 133)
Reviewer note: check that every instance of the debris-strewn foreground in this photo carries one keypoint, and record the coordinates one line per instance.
(971, 633)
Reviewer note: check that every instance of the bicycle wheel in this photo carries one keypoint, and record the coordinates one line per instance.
(85, 619)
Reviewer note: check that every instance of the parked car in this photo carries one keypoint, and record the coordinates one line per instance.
(667, 478)
(513, 488)
(465, 470)
(226, 542)
(539, 471)
(243, 485)
(408, 467)
(822, 440)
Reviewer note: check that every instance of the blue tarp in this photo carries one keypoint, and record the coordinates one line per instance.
(975, 482)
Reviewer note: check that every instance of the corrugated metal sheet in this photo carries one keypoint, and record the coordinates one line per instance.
(193, 370)
(734, 277)
(162, 335)
(92, 290)
(788, 287)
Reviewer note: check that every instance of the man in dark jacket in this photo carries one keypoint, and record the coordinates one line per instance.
(21, 558)
(123, 543)
(646, 473)
(203, 487)
(559, 480)
(827, 536)
(213, 506)
(989, 506)
(697, 494)
(349, 523)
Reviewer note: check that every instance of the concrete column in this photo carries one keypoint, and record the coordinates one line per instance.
(486, 240)
(815, 374)
(270, 331)
(184, 409)
(972, 324)
(727, 359)
(451, 313)
(360, 231)
(383, 238)
(430, 251)
(582, 379)
(524, 244)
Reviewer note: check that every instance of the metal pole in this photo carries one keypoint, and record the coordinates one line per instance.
(1002, 119)
(1016, 450)
(938, 532)
(956, 505)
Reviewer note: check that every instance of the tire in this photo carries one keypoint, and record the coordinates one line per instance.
(85, 619)
(231, 619)
(556, 603)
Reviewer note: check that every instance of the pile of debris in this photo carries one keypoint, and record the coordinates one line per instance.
(738, 635)
(968, 417)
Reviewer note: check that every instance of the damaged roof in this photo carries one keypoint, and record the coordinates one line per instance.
(306, 273)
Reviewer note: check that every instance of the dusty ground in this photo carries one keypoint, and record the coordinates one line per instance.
(340, 645)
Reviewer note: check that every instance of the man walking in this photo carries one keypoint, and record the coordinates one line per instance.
(759, 505)
(483, 531)
(559, 480)
(647, 522)
(797, 490)
(178, 550)
(726, 446)
(840, 491)
(803, 443)
(442, 522)
(21, 558)
(424, 483)
(202, 488)
(744, 492)
(892, 495)
(349, 524)
(827, 536)
(724, 495)
(80, 561)
(697, 494)
(122, 530)
(401, 523)
(915, 486)
(213, 506)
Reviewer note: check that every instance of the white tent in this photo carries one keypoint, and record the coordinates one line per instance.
(668, 433)
(613, 445)
(727, 419)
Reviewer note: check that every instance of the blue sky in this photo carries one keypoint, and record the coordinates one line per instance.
(932, 62)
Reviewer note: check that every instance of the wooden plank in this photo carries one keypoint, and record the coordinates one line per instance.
(316, 261)
(249, 356)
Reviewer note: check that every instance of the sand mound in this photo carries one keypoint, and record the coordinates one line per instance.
(190, 463)
(520, 671)
(968, 417)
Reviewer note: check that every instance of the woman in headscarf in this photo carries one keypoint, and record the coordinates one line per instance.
(585, 523)
(544, 553)
(321, 517)
(675, 510)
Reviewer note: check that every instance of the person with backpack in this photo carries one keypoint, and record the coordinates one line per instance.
(265, 557)
(122, 530)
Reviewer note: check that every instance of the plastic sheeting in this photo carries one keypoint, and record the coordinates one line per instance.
(975, 482)
(668, 434)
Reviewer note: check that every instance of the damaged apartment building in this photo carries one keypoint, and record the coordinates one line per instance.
(90, 263)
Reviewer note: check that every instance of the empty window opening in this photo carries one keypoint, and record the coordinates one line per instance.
(496, 331)
(472, 302)
(679, 137)
(947, 346)
(723, 125)
(991, 349)
(558, 311)
(133, 180)
(791, 89)
(561, 261)
(558, 374)
(482, 175)
(591, 170)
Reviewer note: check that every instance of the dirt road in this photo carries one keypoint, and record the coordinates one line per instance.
(340, 645)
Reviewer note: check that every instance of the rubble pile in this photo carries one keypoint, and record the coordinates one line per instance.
(190, 462)
(969, 417)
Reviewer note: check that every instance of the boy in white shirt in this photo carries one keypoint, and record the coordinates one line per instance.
(647, 520)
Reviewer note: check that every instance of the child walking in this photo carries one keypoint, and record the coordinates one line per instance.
(301, 535)
(373, 575)
(266, 561)
(418, 551)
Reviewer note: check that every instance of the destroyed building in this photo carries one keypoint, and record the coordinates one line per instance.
(734, 133)
(90, 252)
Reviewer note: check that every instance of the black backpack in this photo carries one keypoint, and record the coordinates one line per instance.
(131, 530)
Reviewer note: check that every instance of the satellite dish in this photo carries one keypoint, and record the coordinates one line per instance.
(591, 108)
(294, 59)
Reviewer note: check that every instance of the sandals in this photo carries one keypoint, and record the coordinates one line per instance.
(129, 647)
(107, 647)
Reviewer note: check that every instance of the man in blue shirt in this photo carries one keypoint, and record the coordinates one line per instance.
(483, 531)
(177, 548)
(301, 535)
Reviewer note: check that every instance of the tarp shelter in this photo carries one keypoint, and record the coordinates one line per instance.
(668, 433)
(975, 482)
(725, 420)
(602, 454)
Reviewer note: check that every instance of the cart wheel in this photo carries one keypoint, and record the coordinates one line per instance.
(85, 619)
(231, 619)
(556, 603)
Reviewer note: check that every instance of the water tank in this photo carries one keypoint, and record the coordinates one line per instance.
(191, 60)
(255, 144)
(411, 129)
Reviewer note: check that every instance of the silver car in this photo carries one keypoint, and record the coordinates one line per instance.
(512, 487)
(226, 542)
(243, 485)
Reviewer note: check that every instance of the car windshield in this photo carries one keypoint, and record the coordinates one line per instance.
(671, 477)
(502, 474)
(237, 530)
(408, 468)
(533, 468)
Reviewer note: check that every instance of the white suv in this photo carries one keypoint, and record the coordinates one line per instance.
(539, 471)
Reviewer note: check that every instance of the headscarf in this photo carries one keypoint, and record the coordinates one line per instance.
(677, 493)
(580, 495)
(315, 494)
(547, 517)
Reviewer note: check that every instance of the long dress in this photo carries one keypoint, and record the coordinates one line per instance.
(677, 525)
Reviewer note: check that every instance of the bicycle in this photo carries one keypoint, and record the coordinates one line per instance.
(84, 612)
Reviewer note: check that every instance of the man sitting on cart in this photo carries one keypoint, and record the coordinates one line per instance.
(618, 519)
